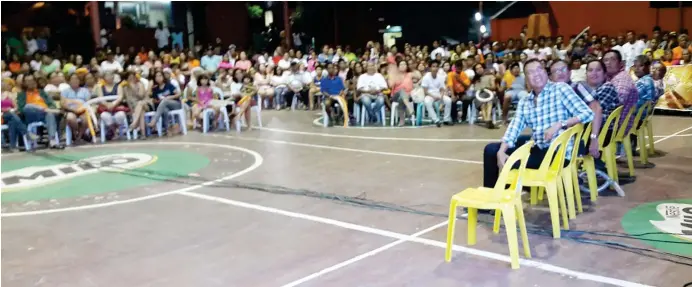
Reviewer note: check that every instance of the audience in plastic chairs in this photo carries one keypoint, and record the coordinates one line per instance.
(548, 110)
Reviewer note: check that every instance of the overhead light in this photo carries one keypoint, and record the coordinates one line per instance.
(483, 29)
(38, 5)
(478, 16)
(388, 26)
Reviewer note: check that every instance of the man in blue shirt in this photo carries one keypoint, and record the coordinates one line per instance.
(332, 88)
(548, 110)
(646, 88)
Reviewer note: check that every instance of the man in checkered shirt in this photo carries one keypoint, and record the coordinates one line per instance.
(548, 110)
(616, 74)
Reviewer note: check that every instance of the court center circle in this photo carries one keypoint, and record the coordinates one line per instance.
(258, 160)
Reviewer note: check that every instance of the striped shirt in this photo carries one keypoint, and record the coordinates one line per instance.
(556, 103)
(628, 94)
(606, 95)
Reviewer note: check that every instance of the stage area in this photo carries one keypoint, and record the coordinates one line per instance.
(293, 204)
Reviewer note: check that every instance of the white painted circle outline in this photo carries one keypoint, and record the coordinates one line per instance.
(285, 131)
(258, 161)
(318, 122)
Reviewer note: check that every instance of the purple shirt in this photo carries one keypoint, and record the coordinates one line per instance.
(627, 92)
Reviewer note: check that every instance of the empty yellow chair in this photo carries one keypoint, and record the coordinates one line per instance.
(500, 199)
(622, 136)
(649, 128)
(641, 133)
(548, 177)
(605, 143)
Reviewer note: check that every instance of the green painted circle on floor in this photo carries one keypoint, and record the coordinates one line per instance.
(668, 221)
(75, 174)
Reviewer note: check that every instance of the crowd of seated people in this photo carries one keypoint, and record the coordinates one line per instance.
(441, 82)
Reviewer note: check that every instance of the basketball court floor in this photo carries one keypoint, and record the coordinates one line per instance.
(296, 204)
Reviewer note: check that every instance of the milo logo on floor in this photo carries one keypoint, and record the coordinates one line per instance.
(665, 225)
(82, 173)
(41, 175)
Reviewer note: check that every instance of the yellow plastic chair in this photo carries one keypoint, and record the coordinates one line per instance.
(649, 129)
(548, 177)
(507, 201)
(588, 161)
(570, 178)
(624, 137)
(619, 138)
(642, 131)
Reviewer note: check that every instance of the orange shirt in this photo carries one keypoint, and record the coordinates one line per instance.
(15, 67)
(677, 53)
(143, 56)
(453, 81)
(667, 64)
(34, 98)
(193, 64)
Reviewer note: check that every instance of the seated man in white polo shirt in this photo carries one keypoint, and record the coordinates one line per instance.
(371, 85)
(435, 89)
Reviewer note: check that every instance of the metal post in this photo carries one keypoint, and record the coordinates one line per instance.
(287, 26)
(480, 10)
(95, 22)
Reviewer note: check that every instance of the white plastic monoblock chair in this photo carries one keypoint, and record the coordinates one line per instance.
(365, 117)
(209, 113)
(394, 115)
(33, 128)
(124, 128)
(27, 145)
(94, 120)
(239, 122)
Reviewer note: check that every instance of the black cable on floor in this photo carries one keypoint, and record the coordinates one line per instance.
(362, 202)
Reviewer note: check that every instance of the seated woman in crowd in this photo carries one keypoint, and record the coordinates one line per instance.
(243, 102)
(113, 114)
(135, 95)
(166, 98)
(37, 106)
(484, 79)
(73, 102)
(202, 101)
(401, 84)
(15, 125)
(278, 82)
(262, 80)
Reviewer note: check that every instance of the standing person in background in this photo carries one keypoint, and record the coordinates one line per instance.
(162, 34)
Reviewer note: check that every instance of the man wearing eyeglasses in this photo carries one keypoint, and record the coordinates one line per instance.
(548, 110)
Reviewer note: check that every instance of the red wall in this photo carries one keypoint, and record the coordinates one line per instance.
(611, 18)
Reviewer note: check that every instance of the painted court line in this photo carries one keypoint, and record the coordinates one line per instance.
(374, 138)
(362, 256)
(409, 238)
(352, 150)
(677, 136)
(258, 161)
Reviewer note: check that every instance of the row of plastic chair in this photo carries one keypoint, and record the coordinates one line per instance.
(558, 181)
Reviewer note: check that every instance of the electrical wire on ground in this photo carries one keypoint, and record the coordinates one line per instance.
(362, 202)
